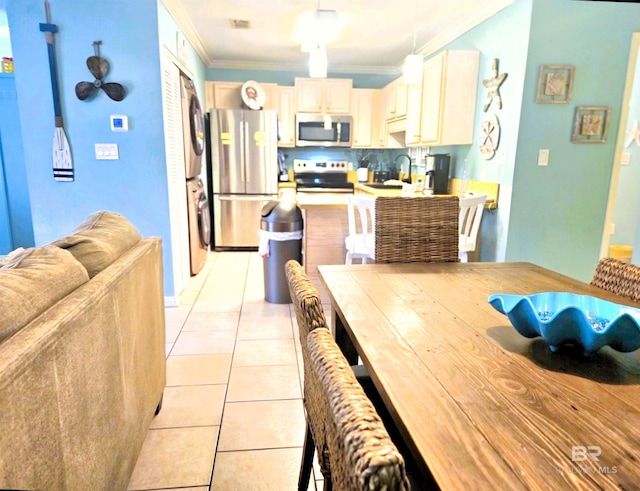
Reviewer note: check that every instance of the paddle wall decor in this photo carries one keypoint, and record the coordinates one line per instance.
(62, 161)
(99, 67)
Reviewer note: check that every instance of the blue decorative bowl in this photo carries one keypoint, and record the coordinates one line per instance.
(567, 318)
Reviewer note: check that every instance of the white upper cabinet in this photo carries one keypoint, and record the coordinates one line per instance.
(414, 114)
(326, 95)
(286, 116)
(395, 99)
(449, 88)
(227, 95)
(363, 115)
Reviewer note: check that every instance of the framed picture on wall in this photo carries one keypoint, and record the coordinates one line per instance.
(555, 84)
(591, 124)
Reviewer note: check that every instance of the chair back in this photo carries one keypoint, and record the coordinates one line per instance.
(618, 277)
(309, 316)
(366, 206)
(420, 229)
(361, 453)
(471, 210)
(360, 243)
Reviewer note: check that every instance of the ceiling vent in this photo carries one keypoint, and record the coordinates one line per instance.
(239, 24)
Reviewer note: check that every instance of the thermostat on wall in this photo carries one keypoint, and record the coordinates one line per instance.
(119, 122)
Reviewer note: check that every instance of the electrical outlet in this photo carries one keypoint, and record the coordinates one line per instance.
(612, 229)
(625, 158)
(543, 156)
(106, 151)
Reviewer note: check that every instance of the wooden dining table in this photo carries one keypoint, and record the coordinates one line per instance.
(479, 405)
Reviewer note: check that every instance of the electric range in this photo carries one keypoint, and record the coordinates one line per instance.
(322, 176)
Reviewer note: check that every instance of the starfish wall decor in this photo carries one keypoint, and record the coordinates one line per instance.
(633, 134)
(493, 86)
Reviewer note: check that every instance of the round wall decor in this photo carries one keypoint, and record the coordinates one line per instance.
(489, 137)
(253, 95)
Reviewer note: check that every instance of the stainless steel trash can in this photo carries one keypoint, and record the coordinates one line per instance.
(281, 235)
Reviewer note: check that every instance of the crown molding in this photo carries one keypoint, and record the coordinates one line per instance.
(177, 11)
(182, 19)
(463, 26)
(299, 67)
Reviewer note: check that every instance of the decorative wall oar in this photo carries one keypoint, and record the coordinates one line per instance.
(62, 161)
(99, 67)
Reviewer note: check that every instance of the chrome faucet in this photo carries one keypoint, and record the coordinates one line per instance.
(408, 179)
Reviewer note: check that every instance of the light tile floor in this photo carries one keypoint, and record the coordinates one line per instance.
(232, 416)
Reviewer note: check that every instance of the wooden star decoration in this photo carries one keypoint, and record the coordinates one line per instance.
(633, 134)
(493, 85)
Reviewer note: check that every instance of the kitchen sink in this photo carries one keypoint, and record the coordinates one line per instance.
(381, 185)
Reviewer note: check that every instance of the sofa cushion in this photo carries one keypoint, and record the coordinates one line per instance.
(99, 240)
(33, 281)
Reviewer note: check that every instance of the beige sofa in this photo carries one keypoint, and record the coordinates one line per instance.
(82, 357)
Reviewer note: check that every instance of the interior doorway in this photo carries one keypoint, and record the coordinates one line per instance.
(621, 235)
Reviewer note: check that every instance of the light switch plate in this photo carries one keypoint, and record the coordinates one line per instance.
(106, 151)
(625, 158)
(543, 156)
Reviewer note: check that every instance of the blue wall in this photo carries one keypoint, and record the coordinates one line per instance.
(19, 227)
(135, 185)
(557, 212)
(132, 34)
(553, 215)
(511, 23)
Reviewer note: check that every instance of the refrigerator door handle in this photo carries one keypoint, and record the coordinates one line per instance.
(247, 166)
(243, 153)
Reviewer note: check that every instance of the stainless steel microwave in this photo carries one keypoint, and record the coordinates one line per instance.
(323, 130)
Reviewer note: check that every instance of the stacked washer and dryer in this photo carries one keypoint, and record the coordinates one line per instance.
(199, 218)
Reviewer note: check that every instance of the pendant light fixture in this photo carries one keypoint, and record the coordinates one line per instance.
(318, 54)
(412, 69)
(318, 62)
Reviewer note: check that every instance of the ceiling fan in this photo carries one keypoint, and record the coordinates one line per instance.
(99, 67)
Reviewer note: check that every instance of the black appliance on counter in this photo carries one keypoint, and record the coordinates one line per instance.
(380, 175)
(438, 172)
(321, 176)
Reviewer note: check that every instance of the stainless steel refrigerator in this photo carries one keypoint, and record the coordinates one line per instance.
(244, 173)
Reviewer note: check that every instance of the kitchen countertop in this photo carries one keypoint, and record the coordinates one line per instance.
(376, 191)
(310, 200)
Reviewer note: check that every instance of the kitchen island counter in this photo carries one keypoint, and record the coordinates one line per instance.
(325, 228)
(313, 200)
(363, 188)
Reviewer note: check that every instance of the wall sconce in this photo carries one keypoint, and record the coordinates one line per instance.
(318, 62)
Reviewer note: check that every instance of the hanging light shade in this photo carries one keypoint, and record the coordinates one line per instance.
(318, 62)
(412, 69)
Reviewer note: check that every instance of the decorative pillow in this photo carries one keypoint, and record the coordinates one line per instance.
(99, 240)
(33, 281)
(11, 255)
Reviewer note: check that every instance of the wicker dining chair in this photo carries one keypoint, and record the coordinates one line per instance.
(309, 315)
(361, 453)
(618, 277)
(420, 229)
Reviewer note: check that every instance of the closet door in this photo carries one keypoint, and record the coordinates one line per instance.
(174, 150)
